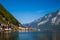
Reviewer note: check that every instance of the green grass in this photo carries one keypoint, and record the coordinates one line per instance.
(8, 17)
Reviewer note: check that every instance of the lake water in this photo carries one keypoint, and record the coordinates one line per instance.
(27, 36)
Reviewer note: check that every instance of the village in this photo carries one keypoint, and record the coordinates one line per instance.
(11, 27)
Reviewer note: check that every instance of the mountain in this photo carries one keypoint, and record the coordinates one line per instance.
(49, 21)
(6, 17)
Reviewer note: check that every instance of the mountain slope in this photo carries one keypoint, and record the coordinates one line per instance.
(49, 21)
(6, 17)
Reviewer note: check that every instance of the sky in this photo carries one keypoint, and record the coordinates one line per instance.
(26, 11)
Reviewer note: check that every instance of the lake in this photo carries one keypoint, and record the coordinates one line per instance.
(45, 35)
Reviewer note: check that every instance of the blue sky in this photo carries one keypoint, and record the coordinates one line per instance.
(27, 11)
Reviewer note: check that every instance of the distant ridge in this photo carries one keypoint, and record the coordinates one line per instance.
(49, 21)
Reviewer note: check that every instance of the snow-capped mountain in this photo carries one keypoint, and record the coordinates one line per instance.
(51, 18)
(48, 21)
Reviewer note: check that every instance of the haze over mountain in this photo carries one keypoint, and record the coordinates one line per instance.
(49, 21)
(6, 17)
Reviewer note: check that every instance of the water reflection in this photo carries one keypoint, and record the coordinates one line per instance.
(47, 35)
(35, 36)
(7, 36)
